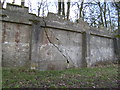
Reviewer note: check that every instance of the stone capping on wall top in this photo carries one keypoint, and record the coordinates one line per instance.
(58, 22)
(19, 14)
(18, 8)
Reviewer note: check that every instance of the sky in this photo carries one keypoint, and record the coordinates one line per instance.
(52, 6)
(34, 1)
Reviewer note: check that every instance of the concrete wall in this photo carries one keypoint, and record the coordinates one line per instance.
(51, 43)
(59, 45)
(101, 49)
(16, 44)
(0, 49)
(0, 39)
(16, 34)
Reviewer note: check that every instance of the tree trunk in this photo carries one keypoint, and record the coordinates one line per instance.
(80, 12)
(0, 4)
(105, 13)
(109, 18)
(23, 3)
(68, 9)
(39, 7)
(102, 23)
(13, 2)
(59, 7)
(3, 3)
(63, 8)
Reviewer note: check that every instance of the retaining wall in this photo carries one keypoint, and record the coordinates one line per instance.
(51, 43)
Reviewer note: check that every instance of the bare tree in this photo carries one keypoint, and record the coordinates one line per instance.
(63, 8)
(2, 3)
(59, 7)
(101, 16)
(39, 7)
(30, 6)
(110, 21)
(68, 9)
(22, 2)
(117, 6)
(81, 8)
(13, 1)
(104, 14)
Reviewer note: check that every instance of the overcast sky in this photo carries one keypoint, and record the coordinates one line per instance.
(52, 6)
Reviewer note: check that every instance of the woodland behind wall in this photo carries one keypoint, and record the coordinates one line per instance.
(52, 43)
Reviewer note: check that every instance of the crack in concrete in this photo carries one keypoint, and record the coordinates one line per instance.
(65, 50)
(56, 46)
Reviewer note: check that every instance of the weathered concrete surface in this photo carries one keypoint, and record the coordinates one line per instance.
(36, 36)
(62, 45)
(57, 21)
(85, 48)
(56, 41)
(16, 36)
(0, 50)
(17, 8)
(0, 42)
(101, 49)
(15, 39)
(51, 43)
(0, 38)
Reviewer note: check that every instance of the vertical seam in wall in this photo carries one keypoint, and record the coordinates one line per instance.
(84, 50)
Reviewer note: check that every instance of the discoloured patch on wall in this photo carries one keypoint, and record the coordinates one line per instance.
(15, 44)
